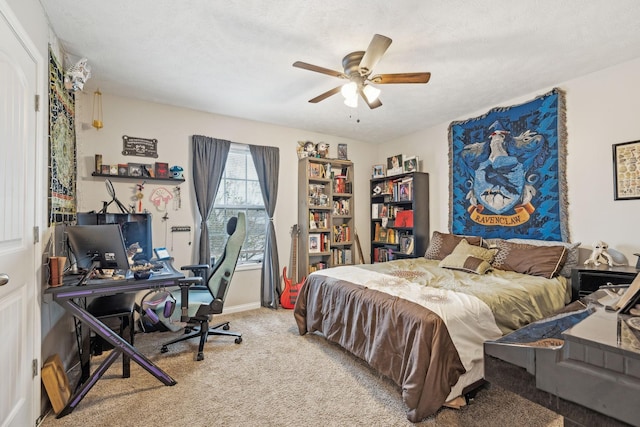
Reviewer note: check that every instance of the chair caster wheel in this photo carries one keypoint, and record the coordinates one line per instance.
(187, 330)
(226, 327)
(238, 340)
(164, 349)
(200, 357)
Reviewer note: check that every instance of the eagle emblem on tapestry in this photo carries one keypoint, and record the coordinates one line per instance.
(507, 174)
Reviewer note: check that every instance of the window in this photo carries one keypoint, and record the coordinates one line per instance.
(239, 191)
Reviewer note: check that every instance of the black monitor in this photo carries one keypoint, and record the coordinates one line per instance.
(98, 246)
(136, 229)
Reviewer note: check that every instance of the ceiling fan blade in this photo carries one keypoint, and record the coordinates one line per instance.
(400, 78)
(373, 104)
(378, 46)
(317, 69)
(325, 95)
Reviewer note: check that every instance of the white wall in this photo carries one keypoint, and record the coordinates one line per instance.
(602, 109)
(173, 128)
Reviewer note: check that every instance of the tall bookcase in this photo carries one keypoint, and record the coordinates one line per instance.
(399, 216)
(325, 214)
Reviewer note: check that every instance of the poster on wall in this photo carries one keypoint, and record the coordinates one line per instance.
(507, 172)
(62, 147)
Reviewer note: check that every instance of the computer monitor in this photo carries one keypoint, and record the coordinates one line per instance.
(98, 246)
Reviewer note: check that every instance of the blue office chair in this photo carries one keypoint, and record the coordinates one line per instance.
(199, 300)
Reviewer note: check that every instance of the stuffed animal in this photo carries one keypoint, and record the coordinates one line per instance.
(322, 149)
(599, 254)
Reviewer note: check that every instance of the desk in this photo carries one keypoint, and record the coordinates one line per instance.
(67, 294)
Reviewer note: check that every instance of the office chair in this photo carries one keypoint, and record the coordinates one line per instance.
(199, 303)
(122, 307)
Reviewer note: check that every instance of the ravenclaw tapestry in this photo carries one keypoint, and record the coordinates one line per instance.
(507, 172)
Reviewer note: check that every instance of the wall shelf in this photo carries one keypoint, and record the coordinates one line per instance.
(137, 178)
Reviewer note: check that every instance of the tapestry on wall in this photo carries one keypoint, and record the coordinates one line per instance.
(507, 172)
(62, 147)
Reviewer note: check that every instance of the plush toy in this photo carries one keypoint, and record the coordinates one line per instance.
(599, 254)
(322, 149)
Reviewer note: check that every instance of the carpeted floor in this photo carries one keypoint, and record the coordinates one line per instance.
(275, 377)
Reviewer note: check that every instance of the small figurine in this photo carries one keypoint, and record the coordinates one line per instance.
(599, 255)
(176, 172)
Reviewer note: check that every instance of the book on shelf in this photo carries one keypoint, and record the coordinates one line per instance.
(316, 170)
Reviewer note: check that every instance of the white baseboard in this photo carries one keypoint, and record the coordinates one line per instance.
(242, 307)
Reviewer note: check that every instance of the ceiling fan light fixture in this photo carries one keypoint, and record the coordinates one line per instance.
(371, 93)
(351, 101)
(349, 90)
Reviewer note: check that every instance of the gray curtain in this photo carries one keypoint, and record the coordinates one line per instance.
(209, 158)
(267, 162)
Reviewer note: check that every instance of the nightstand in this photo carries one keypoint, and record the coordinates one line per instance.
(588, 279)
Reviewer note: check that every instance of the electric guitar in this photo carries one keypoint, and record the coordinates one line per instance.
(291, 289)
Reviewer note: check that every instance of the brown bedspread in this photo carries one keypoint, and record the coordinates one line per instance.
(400, 339)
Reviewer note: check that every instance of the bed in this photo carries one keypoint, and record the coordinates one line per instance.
(422, 322)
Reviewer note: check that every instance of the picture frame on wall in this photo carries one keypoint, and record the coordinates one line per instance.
(626, 173)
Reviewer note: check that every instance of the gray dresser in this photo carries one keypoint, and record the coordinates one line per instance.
(583, 365)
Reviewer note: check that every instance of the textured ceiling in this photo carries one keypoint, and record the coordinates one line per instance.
(235, 57)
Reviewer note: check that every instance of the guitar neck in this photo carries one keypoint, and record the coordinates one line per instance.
(293, 266)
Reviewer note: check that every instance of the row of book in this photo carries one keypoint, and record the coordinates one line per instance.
(341, 233)
(326, 171)
(318, 242)
(384, 210)
(383, 254)
(396, 190)
(341, 257)
(341, 207)
(342, 186)
(318, 219)
(317, 266)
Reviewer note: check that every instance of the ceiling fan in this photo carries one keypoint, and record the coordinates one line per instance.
(357, 69)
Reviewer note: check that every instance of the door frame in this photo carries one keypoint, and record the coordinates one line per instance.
(39, 196)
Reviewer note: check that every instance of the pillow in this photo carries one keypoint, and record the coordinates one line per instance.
(469, 258)
(469, 264)
(573, 252)
(442, 244)
(545, 261)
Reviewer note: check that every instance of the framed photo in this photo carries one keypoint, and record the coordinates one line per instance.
(162, 170)
(135, 169)
(106, 169)
(314, 243)
(410, 164)
(378, 171)
(342, 152)
(148, 170)
(123, 169)
(406, 245)
(394, 165)
(626, 173)
(113, 170)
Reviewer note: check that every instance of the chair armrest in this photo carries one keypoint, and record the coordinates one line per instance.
(185, 284)
(195, 267)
